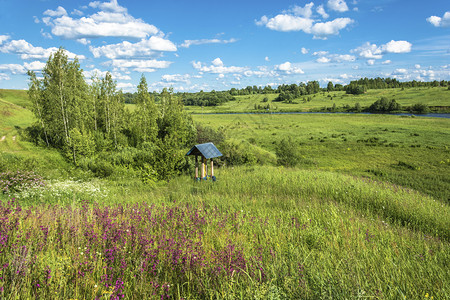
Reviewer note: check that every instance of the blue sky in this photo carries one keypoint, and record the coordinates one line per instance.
(210, 44)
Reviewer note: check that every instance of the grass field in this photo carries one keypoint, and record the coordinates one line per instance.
(438, 96)
(365, 215)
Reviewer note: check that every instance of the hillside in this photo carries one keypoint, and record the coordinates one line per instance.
(438, 97)
(365, 213)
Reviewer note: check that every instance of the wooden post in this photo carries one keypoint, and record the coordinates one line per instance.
(212, 168)
(203, 167)
(196, 167)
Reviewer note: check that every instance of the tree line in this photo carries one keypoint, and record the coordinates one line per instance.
(90, 125)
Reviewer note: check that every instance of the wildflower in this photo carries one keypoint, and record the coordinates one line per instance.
(426, 295)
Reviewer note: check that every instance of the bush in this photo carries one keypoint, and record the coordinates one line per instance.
(287, 153)
(419, 108)
(384, 105)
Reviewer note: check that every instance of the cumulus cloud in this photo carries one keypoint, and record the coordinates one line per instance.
(176, 78)
(217, 67)
(96, 72)
(371, 62)
(372, 51)
(112, 20)
(337, 5)
(304, 50)
(323, 30)
(397, 47)
(305, 11)
(288, 68)
(142, 66)
(266, 58)
(146, 47)
(321, 11)
(440, 22)
(325, 57)
(386, 62)
(188, 43)
(27, 51)
(300, 19)
(60, 11)
(286, 23)
(3, 38)
(13, 68)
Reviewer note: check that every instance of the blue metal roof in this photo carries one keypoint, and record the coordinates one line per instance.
(208, 150)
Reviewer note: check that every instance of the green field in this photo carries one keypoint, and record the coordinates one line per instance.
(364, 215)
(438, 96)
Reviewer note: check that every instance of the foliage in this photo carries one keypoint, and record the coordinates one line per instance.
(419, 108)
(287, 153)
(355, 89)
(384, 105)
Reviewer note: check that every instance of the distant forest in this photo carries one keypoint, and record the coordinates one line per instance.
(288, 92)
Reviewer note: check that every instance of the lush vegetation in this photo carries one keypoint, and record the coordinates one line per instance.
(89, 123)
(312, 206)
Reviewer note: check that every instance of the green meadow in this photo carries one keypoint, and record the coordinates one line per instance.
(436, 96)
(365, 213)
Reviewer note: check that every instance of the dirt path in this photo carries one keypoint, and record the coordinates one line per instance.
(3, 138)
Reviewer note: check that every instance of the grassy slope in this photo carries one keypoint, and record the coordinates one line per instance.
(17, 153)
(352, 237)
(431, 96)
(409, 151)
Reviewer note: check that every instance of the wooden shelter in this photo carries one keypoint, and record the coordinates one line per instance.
(205, 151)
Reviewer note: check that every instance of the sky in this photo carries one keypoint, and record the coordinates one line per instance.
(220, 44)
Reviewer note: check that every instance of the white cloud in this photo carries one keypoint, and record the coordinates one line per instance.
(337, 5)
(299, 19)
(323, 30)
(325, 57)
(77, 12)
(417, 66)
(28, 51)
(288, 68)
(84, 41)
(46, 34)
(217, 67)
(145, 47)
(4, 76)
(59, 12)
(217, 62)
(304, 50)
(188, 43)
(397, 47)
(221, 76)
(34, 66)
(111, 21)
(176, 78)
(3, 38)
(371, 62)
(266, 58)
(440, 22)
(287, 23)
(400, 71)
(321, 11)
(13, 68)
(137, 65)
(305, 11)
(36, 20)
(111, 6)
(368, 50)
(126, 86)
(96, 72)
(372, 51)
(386, 62)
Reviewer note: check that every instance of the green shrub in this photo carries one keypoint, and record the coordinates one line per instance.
(287, 153)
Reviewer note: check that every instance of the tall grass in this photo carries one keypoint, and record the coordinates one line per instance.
(256, 233)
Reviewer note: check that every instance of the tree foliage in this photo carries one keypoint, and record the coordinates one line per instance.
(90, 125)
